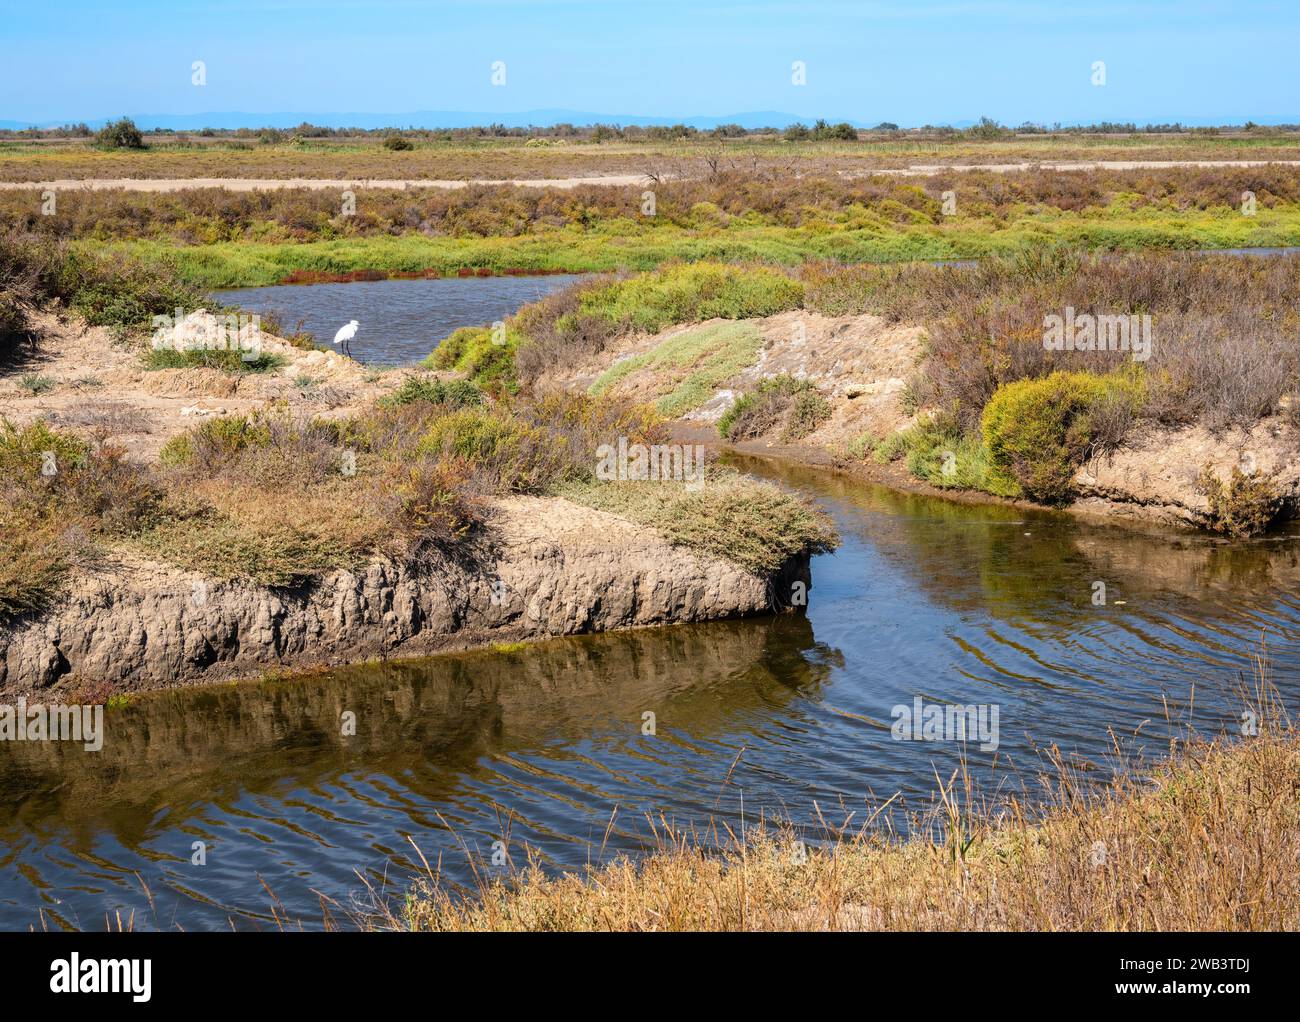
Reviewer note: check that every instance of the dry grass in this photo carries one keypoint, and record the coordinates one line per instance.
(760, 195)
(112, 418)
(1223, 328)
(1209, 842)
(499, 157)
(747, 521)
(57, 495)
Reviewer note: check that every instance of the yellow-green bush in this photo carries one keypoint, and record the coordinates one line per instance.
(214, 440)
(23, 451)
(486, 357)
(1039, 431)
(516, 455)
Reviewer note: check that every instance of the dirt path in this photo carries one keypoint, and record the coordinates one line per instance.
(265, 183)
(928, 169)
(250, 184)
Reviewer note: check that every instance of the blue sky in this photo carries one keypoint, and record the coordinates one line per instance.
(909, 61)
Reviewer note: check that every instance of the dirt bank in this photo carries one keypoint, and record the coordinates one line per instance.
(545, 567)
(861, 366)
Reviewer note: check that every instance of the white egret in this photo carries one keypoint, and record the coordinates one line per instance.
(345, 334)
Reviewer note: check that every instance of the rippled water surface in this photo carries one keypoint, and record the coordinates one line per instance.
(543, 747)
(399, 321)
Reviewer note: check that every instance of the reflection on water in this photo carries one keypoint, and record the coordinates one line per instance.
(541, 747)
(401, 321)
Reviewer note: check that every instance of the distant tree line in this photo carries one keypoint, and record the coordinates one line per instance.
(123, 132)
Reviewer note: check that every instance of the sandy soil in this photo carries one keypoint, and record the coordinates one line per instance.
(100, 384)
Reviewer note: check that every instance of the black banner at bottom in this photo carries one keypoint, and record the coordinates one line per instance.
(225, 972)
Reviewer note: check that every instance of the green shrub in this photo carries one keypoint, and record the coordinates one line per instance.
(398, 144)
(214, 442)
(1038, 431)
(513, 454)
(453, 393)
(937, 450)
(105, 290)
(752, 415)
(481, 353)
(808, 411)
(121, 134)
(177, 452)
(23, 451)
(114, 291)
(35, 383)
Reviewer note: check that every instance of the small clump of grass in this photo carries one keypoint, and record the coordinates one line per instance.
(793, 402)
(451, 393)
(227, 360)
(35, 383)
